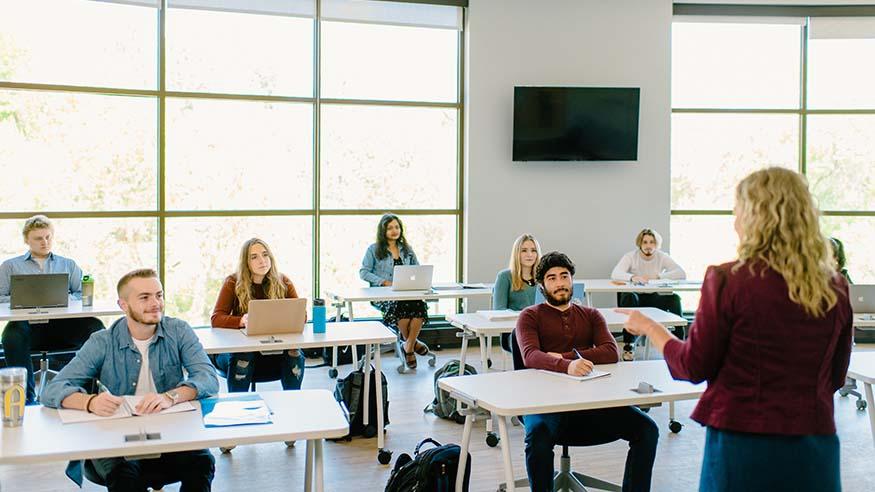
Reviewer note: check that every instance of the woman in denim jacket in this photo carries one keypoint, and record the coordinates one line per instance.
(377, 269)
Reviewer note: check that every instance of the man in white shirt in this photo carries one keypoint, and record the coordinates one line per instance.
(641, 266)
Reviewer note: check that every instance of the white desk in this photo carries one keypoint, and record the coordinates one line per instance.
(311, 415)
(73, 310)
(606, 285)
(376, 294)
(862, 368)
(528, 392)
(368, 333)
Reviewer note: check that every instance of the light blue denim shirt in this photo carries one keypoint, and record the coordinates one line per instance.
(375, 271)
(26, 265)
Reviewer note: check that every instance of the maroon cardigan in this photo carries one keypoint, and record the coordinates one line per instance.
(542, 328)
(770, 367)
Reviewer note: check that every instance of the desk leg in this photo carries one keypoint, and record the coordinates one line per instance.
(484, 363)
(871, 404)
(463, 454)
(367, 395)
(349, 310)
(505, 453)
(317, 463)
(462, 359)
(379, 383)
(308, 467)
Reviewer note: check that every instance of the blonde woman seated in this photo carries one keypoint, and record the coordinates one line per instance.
(257, 277)
(515, 286)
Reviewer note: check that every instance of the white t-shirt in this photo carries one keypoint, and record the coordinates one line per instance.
(145, 382)
(660, 266)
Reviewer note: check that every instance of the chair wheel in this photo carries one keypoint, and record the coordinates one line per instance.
(491, 439)
(290, 444)
(675, 426)
(488, 363)
(227, 450)
(369, 431)
(431, 362)
(401, 369)
(459, 418)
(861, 404)
(384, 456)
(332, 373)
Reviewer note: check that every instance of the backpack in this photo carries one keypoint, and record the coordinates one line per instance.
(433, 470)
(344, 354)
(349, 392)
(443, 405)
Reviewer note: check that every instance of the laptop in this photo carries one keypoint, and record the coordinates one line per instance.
(412, 277)
(862, 298)
(40, 290)
(577, 294)
(272, 316)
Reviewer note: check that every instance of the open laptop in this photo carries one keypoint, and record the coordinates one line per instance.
(40, 290)
(862, 298)
(577, 294)
(412, 277)
(273, 316)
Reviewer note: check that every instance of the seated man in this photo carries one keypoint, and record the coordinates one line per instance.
(141, 354)
(22, 337)
(647, 263)
(550, 337)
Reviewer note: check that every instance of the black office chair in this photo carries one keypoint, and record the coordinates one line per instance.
(44, 374)
(89, 472)
(565, 479)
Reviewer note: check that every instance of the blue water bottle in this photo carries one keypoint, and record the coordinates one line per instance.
(318, 316)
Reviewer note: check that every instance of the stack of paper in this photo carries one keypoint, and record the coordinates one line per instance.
(235, 410)
(500, 315)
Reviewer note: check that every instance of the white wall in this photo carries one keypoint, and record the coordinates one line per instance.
(591, 211)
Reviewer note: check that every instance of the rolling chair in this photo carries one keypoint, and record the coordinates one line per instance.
(43, 375)
(90, 473)
(565, 479)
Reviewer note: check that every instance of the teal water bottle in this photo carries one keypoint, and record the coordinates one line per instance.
(318, 316)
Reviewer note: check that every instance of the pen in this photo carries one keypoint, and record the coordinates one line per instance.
(577, 353)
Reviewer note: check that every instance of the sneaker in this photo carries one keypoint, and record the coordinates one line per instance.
(628, 354)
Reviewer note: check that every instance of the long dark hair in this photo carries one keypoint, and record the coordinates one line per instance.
(383, 243)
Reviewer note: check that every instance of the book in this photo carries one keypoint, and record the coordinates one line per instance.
(125, 410)
(246, 409)
(595, 374)
(499, 315)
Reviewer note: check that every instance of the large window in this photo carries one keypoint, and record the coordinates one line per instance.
(795, 93)
(165, 137)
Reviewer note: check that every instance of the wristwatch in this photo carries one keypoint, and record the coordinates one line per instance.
(173, 395)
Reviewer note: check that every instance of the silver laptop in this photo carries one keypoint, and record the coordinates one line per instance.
(40, 290)
(412, 277)
(862, 298)
(273, 316)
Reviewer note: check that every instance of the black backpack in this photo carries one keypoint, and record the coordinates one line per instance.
(433, 470)
(349, 391)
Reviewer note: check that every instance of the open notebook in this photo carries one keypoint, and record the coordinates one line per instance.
(595, 374)
(125, 410)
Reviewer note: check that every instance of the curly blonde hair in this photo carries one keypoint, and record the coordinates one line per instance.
(276, 289)
(779, 227)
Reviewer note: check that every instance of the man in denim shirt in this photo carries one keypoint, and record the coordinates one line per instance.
(21, 337)
(141, 354)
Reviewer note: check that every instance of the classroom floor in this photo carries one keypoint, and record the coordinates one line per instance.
(353, 465)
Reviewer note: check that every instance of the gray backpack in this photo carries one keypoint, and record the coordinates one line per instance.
(443, 405)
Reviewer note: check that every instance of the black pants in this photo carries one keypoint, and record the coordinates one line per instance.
(588, 428)
(195, 469)
(670, 303)
(20, 338)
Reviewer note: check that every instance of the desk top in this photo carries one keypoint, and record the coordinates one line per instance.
(530, 391)
(221, 340)
(440, 291)
(606, 285)
(862, 367)
(482, 326)
(303, 414)
(73, 310)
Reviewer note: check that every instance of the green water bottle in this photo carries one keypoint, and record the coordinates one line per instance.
(87, 291)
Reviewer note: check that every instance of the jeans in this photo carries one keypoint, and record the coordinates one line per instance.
(195, 469)
(588, 428)
(244, 368)
(670, 303)
(20, 338)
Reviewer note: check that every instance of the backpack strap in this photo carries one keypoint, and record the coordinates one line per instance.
(426, 440)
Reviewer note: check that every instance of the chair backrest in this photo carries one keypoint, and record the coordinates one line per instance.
(518, 362)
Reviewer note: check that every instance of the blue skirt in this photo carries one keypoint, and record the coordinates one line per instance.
(739, 461)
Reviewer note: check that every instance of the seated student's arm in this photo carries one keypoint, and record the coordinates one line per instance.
(701, 355)
(621, 271)
(500, 291)
(604, 348)
(202, 379)
(75, 281)
(671, 270)
(5, 280)
(530, 345)
(222, 317)
(366, 272)
(842, 354)
(67, 389)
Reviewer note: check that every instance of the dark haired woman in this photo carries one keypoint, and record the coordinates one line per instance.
(378, 266)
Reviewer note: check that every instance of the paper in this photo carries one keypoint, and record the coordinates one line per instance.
(595, 374)
(499, 315)
(69, 416)
(235, 410)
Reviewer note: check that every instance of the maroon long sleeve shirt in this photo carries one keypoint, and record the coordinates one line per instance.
(542, 328)
(770, 367)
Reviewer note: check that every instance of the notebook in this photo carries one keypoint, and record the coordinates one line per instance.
(225, 411)
(499, 315)
(595, 374)
(125, 410)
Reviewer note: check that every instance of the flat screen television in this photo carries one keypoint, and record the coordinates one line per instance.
(575, 124)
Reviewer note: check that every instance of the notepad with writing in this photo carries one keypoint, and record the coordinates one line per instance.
(224, 411)
(127, 409)
(595, 374)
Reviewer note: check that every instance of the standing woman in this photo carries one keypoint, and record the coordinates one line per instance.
(515, 286)
(772, 337)
(257, 277)
(378, 268)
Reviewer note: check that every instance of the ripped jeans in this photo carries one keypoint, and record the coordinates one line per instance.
(240, 369)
